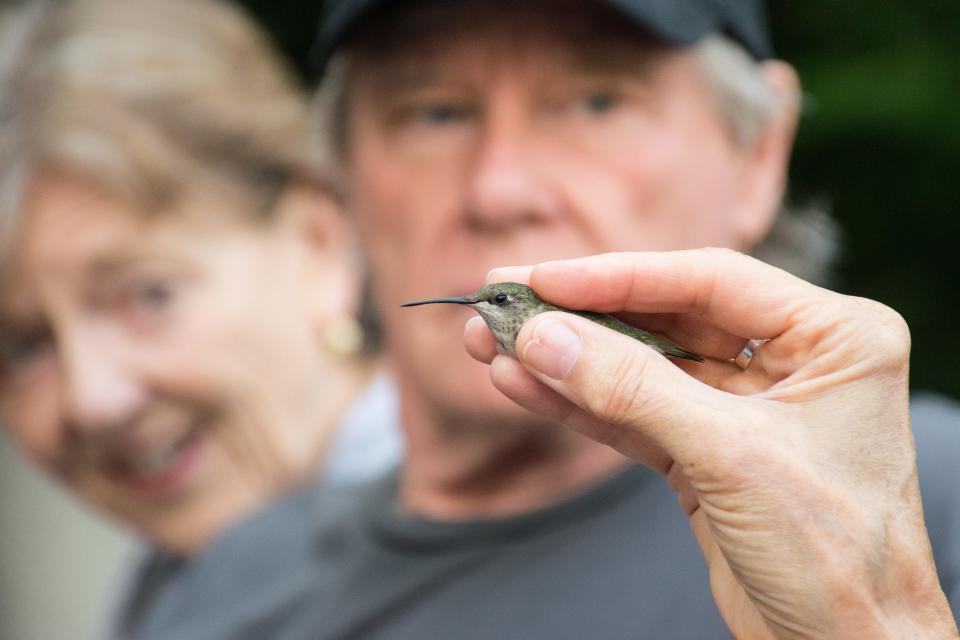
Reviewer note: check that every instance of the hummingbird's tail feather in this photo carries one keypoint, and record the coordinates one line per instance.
(679, 352)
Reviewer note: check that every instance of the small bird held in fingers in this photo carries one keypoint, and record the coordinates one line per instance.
(506, 306)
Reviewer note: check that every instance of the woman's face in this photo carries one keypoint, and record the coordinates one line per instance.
(167, 366)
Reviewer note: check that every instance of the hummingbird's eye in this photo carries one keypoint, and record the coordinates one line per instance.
(500, 298)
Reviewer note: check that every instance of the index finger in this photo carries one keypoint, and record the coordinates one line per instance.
(740, 294)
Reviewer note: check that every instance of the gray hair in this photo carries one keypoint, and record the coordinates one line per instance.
(804, 240)
(150, 98)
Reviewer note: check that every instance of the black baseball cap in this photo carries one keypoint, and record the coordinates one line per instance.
(680, 22)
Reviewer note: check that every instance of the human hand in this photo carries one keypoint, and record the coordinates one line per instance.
(798, 473)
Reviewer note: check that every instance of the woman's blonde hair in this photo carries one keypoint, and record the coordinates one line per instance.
(150, 98)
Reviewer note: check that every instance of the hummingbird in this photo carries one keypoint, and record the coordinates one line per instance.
(505, 306)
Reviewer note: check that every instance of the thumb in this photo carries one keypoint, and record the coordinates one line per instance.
(624, 383)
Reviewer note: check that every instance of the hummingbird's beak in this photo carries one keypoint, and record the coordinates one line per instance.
(439, 300)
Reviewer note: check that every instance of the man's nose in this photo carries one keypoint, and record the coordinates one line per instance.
(508, 188)
(100, 390)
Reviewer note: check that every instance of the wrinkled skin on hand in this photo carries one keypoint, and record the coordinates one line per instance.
(798, 474)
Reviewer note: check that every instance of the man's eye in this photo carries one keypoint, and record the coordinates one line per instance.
(440, 114)
(152, 293)
(599, 102)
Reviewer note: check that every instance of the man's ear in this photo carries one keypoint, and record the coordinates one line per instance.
(323, 240)
(768, 160)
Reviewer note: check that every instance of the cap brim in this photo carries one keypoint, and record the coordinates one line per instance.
(680, 22)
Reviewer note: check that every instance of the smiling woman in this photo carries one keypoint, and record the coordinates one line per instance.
(178, 287)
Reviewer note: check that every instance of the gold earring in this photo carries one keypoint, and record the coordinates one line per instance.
(343, 336)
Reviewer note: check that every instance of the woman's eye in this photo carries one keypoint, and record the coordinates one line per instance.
(20, 349)
(145, 299)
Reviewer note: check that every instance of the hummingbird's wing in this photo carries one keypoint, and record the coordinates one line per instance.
(662, 345)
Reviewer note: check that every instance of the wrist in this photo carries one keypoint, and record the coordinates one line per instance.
(897, 595)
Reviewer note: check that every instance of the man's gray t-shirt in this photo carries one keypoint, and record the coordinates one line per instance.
(616, 561)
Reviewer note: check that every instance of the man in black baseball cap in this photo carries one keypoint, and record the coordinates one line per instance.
(473, 134)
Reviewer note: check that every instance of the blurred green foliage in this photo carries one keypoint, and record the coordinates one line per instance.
(879, 141)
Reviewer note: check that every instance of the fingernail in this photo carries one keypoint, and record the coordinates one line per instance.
(553, 349)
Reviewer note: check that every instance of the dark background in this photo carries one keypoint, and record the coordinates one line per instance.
(879, 141)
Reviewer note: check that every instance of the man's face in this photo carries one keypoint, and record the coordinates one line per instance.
(163, 366)
(516, 134)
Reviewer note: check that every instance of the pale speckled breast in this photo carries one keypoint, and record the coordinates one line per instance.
(505, 330)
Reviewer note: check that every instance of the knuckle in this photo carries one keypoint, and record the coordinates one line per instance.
(718, 260)
(888, 332)
(896, 334)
